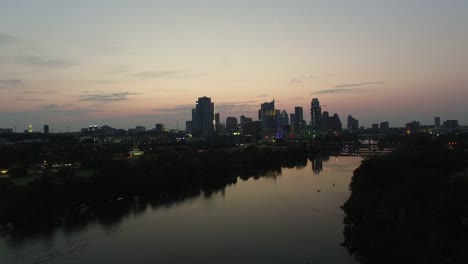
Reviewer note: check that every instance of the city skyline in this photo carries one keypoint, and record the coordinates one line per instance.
(206, 122)
(123, 63)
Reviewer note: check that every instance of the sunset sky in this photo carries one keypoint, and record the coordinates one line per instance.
(127, 63)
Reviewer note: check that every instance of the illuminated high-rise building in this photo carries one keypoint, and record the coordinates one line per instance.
(315, 113)
(30, 128)
(284, 119)
(269, 117)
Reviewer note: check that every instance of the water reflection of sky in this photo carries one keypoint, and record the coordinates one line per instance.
(293, 217)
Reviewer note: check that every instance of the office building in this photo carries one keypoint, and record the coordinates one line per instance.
(334, 123)
(203, 117)
(353, 123)
(284, 119)
(324, 122)
(299, 112)
(315, 113)
(450, 125)
(330, 123)
(299, 122)
(269, 118)
(292, 119)
(231, 124)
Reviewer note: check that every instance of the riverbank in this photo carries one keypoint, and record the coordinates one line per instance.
(161, 177)
(410, 206)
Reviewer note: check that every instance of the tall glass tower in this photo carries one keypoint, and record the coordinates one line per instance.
(315, 113)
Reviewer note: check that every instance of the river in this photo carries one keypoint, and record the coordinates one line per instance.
(288, 217)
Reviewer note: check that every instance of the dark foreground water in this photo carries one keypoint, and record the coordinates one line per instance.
(292, 217)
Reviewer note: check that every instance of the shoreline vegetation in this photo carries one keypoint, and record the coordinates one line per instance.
(410, 206)
(120, 187)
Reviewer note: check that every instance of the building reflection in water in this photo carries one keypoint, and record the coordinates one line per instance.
(317, 163)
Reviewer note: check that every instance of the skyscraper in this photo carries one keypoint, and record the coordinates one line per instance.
(315, 113)
(46, 129)
(217, 123)
(194, 120)
(284, 119)
(330, 123)
(269, 117)
(299, 112)
(335, 123)
(299, 123)
(353, 123)
(265, 110)
(292, 119)
(203, 116)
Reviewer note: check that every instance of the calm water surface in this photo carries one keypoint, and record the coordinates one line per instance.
(292, 217)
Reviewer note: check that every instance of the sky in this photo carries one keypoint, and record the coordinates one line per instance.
(71, 64)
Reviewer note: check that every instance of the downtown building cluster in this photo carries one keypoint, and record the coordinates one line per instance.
(272, 123)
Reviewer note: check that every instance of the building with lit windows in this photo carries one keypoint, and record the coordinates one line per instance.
(315, 113)
(284, 119)
(269, 118)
